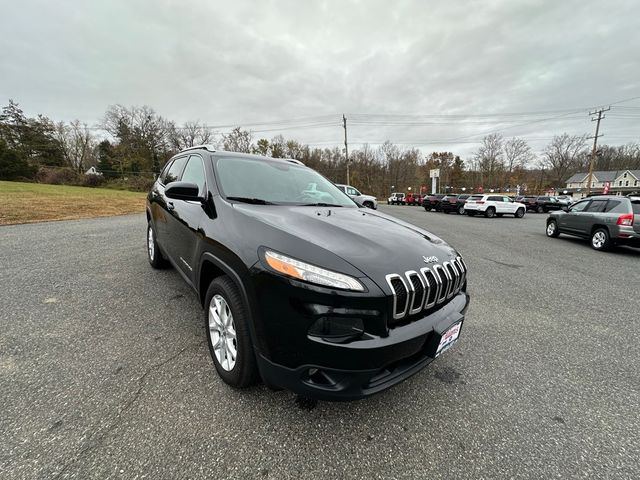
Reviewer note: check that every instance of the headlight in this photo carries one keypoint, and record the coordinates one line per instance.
(310, 273)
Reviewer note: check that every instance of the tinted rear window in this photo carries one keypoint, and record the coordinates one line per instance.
(476, 197)
(636, 208)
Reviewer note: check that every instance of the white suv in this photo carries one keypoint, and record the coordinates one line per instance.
(493, 206)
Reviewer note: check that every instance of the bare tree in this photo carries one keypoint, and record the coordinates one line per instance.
(563, 155)
(78, 144)
(490, 159)
(238, 140)
(190, 134)
(517, 154)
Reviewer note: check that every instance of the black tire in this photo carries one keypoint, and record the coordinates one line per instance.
(461, 210)
(552, 229)
(368, 205)
(490, 212)
(539, 209)
(600, 239)
(427, 209)
(519, 213)
(244, 372)
(154, 255)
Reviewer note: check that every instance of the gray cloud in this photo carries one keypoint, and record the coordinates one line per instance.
(240, 62)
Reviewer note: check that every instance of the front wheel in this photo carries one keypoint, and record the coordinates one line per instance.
(552, 229)
(519, 213)
(539, 209)
(490, 212)
(227, 323)
(600, 240)
(154, 255)
(460, 210)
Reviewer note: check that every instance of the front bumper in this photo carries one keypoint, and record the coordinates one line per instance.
(321, 368)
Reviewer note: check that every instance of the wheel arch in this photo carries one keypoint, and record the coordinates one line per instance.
(598, 226)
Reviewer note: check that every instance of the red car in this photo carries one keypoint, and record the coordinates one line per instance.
(414, 199)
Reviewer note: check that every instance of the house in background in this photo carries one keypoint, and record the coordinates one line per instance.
(621, 182)
(92, 171)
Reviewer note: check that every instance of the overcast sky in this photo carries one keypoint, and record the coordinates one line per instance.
(267, 61)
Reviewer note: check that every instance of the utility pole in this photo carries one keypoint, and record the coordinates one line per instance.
(595, 143)
(346, 147)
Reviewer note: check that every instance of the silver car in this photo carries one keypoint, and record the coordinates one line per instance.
(605, 220)
(364, 200)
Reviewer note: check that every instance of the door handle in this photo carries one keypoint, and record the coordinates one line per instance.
(170, 206)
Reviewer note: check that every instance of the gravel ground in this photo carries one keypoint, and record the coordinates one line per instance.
(105, 373)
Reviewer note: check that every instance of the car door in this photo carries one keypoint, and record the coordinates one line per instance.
(185, 218)
(508, 205)
(162, 206)
(572, 220)
(355, 194)
(592, 214)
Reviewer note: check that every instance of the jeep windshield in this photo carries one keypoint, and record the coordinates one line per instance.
(265, 182)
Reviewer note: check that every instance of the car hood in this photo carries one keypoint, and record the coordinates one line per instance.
(372, 242)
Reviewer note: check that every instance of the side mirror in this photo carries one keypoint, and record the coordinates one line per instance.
(183, 191)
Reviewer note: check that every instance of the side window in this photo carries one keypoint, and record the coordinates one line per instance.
(506, 199)
(352, 191)
(163, 175)
(341, 188)
(175, 170)
(494, 199)
(580, 206)
(596, 206)
(194, 172)
(616, 206)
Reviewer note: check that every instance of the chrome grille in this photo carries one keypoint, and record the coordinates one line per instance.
(424, 289)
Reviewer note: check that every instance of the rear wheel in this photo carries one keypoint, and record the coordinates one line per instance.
(227, 323)
(539, 209)
(552, 229)
(600, 239)
(460, 210)
(519, 213)
(490, 212)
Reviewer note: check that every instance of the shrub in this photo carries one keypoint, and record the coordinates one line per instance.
(93, 181)
(59, 176)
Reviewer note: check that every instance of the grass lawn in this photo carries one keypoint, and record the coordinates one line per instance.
(34, 202)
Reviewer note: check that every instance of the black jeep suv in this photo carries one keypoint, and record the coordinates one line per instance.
(300, 286)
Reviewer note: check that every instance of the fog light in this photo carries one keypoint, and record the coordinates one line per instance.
(337, 329)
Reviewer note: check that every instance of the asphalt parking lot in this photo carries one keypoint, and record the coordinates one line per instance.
(105, 373)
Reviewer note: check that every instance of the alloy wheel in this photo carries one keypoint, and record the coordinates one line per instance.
(598, 240)
(551, 229)
(151, 243)
(222, 331)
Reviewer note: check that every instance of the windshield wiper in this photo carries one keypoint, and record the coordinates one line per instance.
(319, 204)
(254, 201)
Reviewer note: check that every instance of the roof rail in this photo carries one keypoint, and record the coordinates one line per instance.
(208, 147)
(293, 160)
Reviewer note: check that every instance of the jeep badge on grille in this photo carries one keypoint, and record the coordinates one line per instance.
(428, 260)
